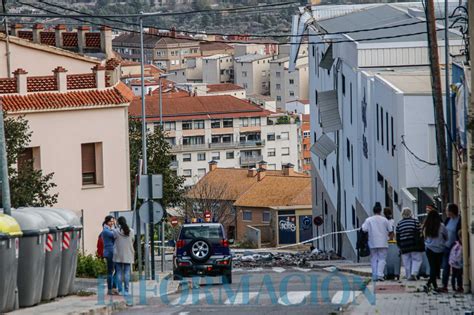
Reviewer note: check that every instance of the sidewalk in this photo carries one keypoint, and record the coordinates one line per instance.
(405, 297)
(91, 298)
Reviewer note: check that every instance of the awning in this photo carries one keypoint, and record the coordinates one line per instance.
(327, 60)
(329, 111)
(323, 147)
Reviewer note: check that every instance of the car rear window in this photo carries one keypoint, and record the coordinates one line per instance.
(201, 231)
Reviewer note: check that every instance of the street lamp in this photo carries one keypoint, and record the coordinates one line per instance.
(164, 75)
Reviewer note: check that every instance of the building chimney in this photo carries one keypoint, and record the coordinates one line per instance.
(288, 169)
(99, 72)
(15, 28)
(37, 28)
(59, 30)
(212, 165)
(61, 79)
(81, 37)
(251, 172)
(106, 41)
(262, 164)
(261, 173)
(173, 32)
(113, 70)
(20, 76)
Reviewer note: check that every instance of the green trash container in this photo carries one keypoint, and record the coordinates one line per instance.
(10, 231)
(52, 272)
(71, 243)
(31, 259)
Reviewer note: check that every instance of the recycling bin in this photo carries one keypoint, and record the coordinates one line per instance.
(70, 246)
(10, 231)
(52, 272)
(31, 259)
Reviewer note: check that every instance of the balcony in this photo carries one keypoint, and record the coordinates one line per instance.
(189, 147)
(254, 159)
(218, 145)
(174, 165)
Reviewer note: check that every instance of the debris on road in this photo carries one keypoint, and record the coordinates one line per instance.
(279, 259)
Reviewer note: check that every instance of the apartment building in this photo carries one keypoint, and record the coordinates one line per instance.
(287, 86)
(223, 128)
(172, 53)
(66, 114)
(218, 69)
(362, 121)
(252, 72)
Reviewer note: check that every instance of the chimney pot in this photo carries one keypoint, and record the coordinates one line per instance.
(99, 72)
(212, 165)
(21, 83)
(61, 79)
(288, 169)
(106, 41)
(261, 173)
(251, 172)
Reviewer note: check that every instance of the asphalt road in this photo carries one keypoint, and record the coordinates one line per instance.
(260, 291)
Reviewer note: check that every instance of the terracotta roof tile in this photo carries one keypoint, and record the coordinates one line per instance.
(48, 38)
(214, 88)
(41, 83)
(81, 81)
(70, 39)
(120, 94)
(93, 40)
(7, 85)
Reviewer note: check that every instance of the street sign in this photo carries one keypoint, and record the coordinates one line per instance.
(318, 221)
(156, 187)
(144, 211)
(174, 221)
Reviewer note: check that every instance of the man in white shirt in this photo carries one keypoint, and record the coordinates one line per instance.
(379, 230)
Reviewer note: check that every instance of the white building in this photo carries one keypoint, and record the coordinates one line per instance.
(150, 86)
(218, 69)
(347, 99)
(298, 107)
(252, 72)
(191, 73)
(288, 86)
(234, 132)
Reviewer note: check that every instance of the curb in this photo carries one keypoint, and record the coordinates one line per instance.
(356, 272)
(103, 310)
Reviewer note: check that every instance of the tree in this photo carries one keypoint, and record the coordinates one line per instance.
(28, 186)
(159, 160)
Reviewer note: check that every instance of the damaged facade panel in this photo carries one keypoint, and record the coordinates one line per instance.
(323, 147)
(329, 108)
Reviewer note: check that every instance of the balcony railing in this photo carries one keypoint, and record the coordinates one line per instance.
(174, 165)
(218, 145)
(254, 159)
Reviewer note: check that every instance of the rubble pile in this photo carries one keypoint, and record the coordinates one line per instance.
(252, 259)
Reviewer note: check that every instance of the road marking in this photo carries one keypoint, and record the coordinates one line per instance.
(294, 298)
(255, 270)
(237, 269)
(302, 269)
(241, 298)
(345, 297)
(278, 269)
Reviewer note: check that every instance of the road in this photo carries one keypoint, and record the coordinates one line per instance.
(261, 291)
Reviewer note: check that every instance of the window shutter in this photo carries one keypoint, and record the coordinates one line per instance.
(88, 158)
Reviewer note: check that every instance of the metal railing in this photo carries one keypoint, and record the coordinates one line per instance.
(217, 145)
(254, 159)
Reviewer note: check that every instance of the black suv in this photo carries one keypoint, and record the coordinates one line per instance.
(203, 250)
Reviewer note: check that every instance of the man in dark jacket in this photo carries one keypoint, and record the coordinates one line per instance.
(408, 234)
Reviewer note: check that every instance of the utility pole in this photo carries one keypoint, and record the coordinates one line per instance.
(437, 102)
(470, 5)
(448, 103)
(7, 39)
(4, 167)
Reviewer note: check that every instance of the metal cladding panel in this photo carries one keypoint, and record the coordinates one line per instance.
(327, 60)
(323, 147)
(330, 117)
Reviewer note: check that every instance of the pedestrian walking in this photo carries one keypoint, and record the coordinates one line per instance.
(388, 214)
(435, 234)
(379, 230)
(108, 238)
(456, 264)
(411, 243)
(123, 255)
(453, 226)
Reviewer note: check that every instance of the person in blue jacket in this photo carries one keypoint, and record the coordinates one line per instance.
(109, 240)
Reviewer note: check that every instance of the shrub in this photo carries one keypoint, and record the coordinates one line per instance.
(90, 266)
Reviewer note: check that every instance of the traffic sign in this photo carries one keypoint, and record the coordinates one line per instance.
(174, 221)
(318, 220)
(156, 187)
(144, 211)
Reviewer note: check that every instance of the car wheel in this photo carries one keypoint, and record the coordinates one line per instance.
(177, 277)
(200, 250)
(227, 278)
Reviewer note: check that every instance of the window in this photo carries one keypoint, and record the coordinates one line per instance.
(201, 156)
(266, 216)
(285, 151)
(277, 74)
(187, 157)
(391, 131)
(278, 86)
(229, 155)
(187, 173)
(343, 84)
(216, 156)
(292, 81)
(381, 123)
(170, 125)
(285, 136)
(292, 93)
(271, 152)
(245, 85)
(271, 136)
(333, 176)
(272, 167)
(306, 134)
(325, 207)
(91, 154)
(352, 165)
(386, 128)
(378, 132)
(201, 172)
(246, 215)
(29, 159)
(228, 123)
(215, 123)
(244, 74)
(199, 124)
(279, 98)
(353, 216)
(380, 178)
(215, 139)
(350, 99)
(255, 121)
(193, 140)
(244, 122)
(187, 125)
(171, 140)
(348, 149)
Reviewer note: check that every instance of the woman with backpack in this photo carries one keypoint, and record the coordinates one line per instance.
(123, 255)
(411, 244)
(108, 240)
(435, 234)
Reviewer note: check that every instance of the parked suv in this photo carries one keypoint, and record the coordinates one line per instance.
(203, 250)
